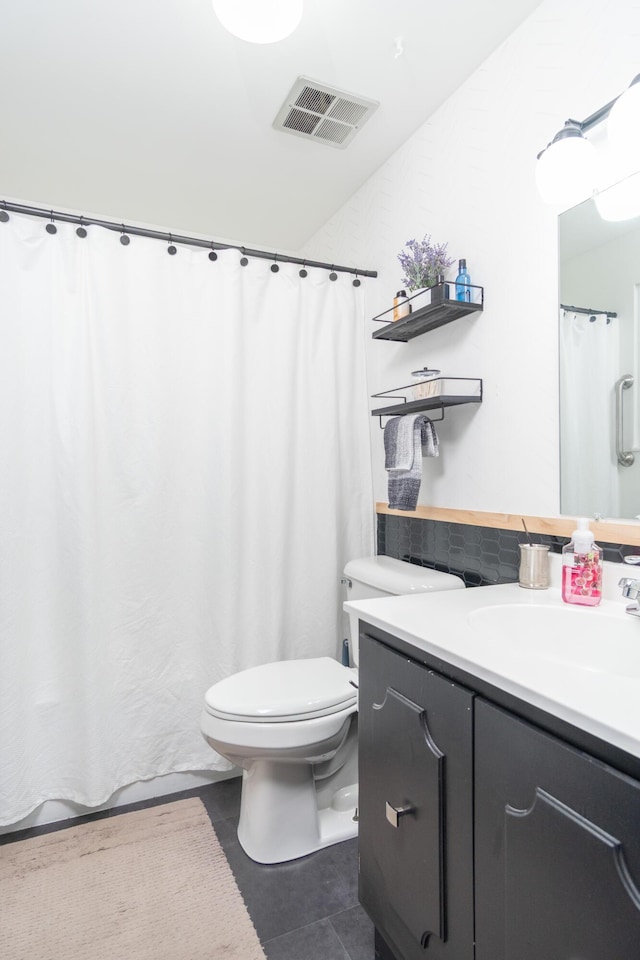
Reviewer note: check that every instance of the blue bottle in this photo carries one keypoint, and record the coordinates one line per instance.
(463, 281)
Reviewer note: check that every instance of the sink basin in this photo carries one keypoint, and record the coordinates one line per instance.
(583, 639)
(578, 664)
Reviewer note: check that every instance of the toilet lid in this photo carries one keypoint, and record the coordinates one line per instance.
(284, 691)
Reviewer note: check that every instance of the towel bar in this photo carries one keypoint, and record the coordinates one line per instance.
(398, 414)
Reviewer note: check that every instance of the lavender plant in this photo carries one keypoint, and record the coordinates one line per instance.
(423, 262)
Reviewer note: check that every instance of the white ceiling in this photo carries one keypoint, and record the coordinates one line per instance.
(149, 111)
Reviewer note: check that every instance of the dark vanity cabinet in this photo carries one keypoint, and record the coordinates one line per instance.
(484, 836)
(415, 807)
(557, 845)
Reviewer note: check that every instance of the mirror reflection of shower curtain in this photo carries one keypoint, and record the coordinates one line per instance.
(589, 364)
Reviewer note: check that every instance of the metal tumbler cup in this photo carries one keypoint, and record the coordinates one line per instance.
(534, 566)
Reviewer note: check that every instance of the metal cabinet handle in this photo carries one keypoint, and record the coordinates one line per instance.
(625, 457)
(394, 813)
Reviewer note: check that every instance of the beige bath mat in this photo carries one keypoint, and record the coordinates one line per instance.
(149, 885)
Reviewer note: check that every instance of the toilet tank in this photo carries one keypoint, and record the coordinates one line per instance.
(370, 577)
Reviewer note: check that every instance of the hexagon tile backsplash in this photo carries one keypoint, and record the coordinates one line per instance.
(479, 555)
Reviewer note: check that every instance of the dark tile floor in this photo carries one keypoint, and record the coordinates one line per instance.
(306, 909)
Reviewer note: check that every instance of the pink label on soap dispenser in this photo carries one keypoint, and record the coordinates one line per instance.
(582, 580)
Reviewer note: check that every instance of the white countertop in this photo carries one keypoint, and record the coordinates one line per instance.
(581, 664)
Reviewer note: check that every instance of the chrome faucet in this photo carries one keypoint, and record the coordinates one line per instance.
(631, 590)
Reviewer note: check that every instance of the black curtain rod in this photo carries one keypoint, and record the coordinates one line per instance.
(588, 312)
(175, 238)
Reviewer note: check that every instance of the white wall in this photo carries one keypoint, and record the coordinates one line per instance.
(467, 177)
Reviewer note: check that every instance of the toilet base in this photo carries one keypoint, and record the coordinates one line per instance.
(279, 815)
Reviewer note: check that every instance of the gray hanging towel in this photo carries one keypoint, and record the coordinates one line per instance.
(406, 440)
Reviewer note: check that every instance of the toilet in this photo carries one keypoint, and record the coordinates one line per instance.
(292, 728)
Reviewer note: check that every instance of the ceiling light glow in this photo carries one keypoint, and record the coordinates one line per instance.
(259, 21)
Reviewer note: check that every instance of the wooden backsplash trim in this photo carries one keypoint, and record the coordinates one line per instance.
(553, 526)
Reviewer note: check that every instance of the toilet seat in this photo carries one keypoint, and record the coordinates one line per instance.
(282, 692)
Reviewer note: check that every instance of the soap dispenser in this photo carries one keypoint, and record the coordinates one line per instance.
(582, 568)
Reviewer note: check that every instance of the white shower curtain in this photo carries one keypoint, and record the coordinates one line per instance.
(185, 470)
(589, 363)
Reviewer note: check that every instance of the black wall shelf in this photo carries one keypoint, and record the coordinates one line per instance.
(435, 314)
(473, 394)
(417, 406)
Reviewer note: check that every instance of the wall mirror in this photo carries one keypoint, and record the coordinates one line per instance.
(599, 364)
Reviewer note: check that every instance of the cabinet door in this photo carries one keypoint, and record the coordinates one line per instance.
(557, 848)
(415, 806)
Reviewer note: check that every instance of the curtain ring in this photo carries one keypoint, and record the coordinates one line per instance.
(51, 227)
(303, 273)
(213, 255)
(124, 239)
(243, 259)
(274, 265)
(333, 275)
(4, 216)
(171, 249)
(356, 282)
(80, 231)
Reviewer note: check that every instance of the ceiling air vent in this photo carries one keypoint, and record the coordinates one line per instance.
(318, 112)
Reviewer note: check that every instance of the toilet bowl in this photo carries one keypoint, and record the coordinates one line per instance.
(292, 728)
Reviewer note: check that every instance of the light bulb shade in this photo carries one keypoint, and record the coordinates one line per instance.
(620, 201)
(623, 124)
(566, 170)
(259, 21)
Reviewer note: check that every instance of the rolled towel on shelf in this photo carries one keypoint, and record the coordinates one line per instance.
(406, 440)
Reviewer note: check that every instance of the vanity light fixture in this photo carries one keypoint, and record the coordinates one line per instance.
(623, 129)
(259, 21)
(569, 168)
(566, 168)
(620, 201)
